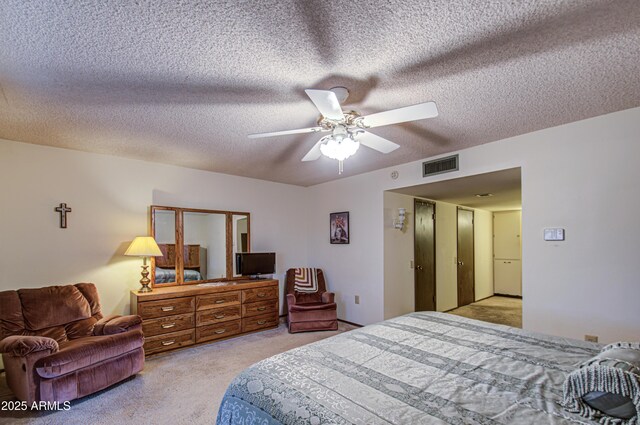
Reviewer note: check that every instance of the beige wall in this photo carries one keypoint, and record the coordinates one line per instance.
(483, 253)
(110, 198)
(573, 176)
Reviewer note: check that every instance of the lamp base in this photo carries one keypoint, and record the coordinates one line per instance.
(145, 281)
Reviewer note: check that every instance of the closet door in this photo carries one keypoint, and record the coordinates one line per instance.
(506, 235)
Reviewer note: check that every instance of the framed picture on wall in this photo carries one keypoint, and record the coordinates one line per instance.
(339, 227)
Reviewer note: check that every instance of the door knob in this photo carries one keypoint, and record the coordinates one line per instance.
(419, 267)
(461, 263)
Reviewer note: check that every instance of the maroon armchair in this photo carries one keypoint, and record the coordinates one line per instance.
(57, 346)
(309, 306)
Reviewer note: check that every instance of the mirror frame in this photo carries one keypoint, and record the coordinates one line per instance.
(179, 229)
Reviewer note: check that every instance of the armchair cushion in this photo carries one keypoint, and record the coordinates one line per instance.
(114, 324)
(79, 353)
(21, 346)
(53, 306)
(312, 306)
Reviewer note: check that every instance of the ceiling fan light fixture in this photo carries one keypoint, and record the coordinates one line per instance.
(339, 148)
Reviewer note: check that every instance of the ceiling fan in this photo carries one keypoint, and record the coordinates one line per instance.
(349, 129)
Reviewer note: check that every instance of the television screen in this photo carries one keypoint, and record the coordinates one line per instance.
(254, 263)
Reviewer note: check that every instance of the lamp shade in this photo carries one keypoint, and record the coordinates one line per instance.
(143, 246)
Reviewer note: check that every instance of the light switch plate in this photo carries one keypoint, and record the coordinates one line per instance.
(554, 234)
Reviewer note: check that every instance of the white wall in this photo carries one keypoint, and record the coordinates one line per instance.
(581, 176)
(355, 268)
(399, 282)
(110, 198)
(446, 256)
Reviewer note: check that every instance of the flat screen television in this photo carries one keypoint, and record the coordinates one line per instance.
(255, 263)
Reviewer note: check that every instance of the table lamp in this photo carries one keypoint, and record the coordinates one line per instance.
(144, 246)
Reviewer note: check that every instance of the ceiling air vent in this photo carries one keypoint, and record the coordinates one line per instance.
(441, 165)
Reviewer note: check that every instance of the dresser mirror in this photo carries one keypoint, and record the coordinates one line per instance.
(197, 245)
(240, 233)
(164, 269)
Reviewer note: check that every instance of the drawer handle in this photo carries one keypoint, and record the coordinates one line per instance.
(261, 308)
(221, 331)
(170, 308)
(262, 295)
(220, 301)
(165, 343)
(262, 322)
(219, 316)
(167, 325)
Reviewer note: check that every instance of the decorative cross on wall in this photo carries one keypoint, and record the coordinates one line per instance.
(63, 210)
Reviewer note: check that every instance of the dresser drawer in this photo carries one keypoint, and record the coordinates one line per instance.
(163, 325)
(157, 344)
(222, 299)
(259, 308)
(259, 294)
(170, 307)
(259, 322)
(218, 330)
(217, 315)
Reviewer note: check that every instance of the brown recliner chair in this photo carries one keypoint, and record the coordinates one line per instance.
(309, 306)
(57, 346)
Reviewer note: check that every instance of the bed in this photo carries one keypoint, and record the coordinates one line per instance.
(421, 368)
(169, 275)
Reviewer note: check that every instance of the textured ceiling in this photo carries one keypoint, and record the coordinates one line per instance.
(184, 82)
(505, 186)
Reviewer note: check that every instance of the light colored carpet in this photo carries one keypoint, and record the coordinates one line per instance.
(501, 310)
(183, 387)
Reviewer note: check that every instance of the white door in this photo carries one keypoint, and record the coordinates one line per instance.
(506, 235)
(507, 277)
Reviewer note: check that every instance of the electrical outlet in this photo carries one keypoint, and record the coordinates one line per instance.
(357, 299)
(591, 338)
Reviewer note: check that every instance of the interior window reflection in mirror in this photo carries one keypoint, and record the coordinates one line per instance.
(205, 239)
(240, 234)
(165, 236)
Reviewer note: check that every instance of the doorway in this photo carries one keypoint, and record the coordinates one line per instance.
(425, 255)
(465, 260)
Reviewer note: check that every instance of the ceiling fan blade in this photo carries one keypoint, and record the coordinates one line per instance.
(285, 132)
(376, 142)
(327, 103)
(314, 153)
(408, 113)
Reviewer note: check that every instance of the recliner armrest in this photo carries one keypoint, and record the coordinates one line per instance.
(328, 297)
(110, 325)
(291, 299)
(22, 346)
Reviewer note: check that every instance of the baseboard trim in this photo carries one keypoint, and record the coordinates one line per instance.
(339, 320)
(509, 296)
(350, 323)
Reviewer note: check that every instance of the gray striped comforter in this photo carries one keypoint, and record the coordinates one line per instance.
(422, 368)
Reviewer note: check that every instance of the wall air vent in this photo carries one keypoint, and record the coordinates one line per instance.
(440, 165)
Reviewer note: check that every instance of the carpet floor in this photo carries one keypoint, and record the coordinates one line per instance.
(182, 387)
(500, 310)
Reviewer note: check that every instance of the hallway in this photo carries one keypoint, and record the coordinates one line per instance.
(496, 309)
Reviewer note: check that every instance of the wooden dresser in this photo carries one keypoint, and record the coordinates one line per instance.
(179, 316)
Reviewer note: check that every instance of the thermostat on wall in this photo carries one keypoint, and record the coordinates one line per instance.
(553, 234)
